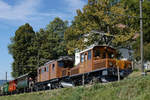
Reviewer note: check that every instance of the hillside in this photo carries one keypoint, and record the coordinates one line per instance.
(132, 88)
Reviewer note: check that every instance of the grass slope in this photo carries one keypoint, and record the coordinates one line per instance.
(132, 88)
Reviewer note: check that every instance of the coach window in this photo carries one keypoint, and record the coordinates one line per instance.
(82, 58)
(53, 67)
(89, 55)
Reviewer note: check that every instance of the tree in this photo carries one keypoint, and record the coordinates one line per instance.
(134, 7)
(31, 50)
(100, 16)
(57, 26)
(55, 31)
(50, 42)
(21, 50)
(41, 47)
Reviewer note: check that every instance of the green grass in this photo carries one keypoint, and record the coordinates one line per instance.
(132, 88)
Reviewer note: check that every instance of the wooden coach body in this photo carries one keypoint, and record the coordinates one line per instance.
(55, 69)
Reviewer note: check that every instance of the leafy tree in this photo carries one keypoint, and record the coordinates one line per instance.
(40, 41)
(50, 42)
(21, 50)
(30, 49)
(134, 7)
(56, 30)
(57, 26)
(101, 16)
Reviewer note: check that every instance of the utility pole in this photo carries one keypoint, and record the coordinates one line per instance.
(38, 53)
(38, 58)
(6, 76)
(141, 34)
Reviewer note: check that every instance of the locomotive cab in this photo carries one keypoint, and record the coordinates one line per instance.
(96, 58)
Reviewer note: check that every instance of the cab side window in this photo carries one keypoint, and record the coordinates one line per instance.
(86, 57)
(110, 55)
(82, 58)
(53, 67)
(42, 70)
(97, 53)
(104, 55)
(89, 55)
(47, 68)
(61, 64)
(39, 71)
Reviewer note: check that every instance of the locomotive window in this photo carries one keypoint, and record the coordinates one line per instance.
(42, 70)
(61, 64)
(89, 55)
(47, 68)
(86, 57)
(104, 55)
(97, 53)
(82, 58)
(110, 55)
(53, 67)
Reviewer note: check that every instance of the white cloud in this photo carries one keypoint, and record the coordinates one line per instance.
(20, 11)
(27, 11)
(73, 5)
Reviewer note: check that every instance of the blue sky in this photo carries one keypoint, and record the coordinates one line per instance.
(38, 13)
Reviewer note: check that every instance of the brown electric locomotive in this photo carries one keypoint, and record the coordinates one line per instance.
(98, 57)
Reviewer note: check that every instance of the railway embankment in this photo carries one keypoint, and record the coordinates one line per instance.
(134, 87)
